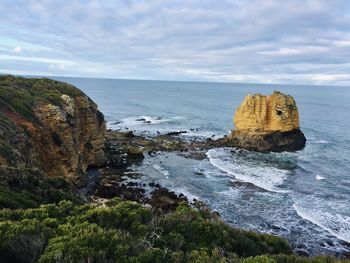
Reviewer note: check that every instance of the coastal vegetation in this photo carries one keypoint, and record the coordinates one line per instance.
(124, 231)
(50, 134)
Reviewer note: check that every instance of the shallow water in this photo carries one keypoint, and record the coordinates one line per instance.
(303, 196)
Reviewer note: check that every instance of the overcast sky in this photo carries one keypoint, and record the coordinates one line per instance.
(262, 41)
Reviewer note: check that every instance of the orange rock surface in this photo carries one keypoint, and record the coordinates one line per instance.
(277, 112)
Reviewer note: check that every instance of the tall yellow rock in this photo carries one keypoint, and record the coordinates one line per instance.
(267, 124)
(277, 112)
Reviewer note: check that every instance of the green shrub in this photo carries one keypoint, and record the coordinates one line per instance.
(258, 259)
(22, 241)
(26, 188)
(123, 215)
(85, 243)
(188, 229)
(125, 231)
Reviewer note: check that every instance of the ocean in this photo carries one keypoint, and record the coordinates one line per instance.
(302, 196)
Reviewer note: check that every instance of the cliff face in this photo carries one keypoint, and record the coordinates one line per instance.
(267, 123)
(277, 112)
(50, 126)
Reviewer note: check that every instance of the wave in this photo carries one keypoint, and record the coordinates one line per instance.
(162, 170)
(201, 134)
(319, 177)
(190, 195)
(322, 142)
(261, 175)
(334, 223)
(143, 120)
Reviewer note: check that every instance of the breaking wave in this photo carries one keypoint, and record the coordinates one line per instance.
(264, 176)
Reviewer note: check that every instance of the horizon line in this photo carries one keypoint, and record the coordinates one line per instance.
(166, 80)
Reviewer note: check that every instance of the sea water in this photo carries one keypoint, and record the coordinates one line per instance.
(302, 196)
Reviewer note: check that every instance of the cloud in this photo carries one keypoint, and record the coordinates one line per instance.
(17, 49)
(291, 41)
(35, 59)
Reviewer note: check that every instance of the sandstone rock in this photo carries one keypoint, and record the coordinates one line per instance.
(51, 126)
(267, 123)
(277, 112)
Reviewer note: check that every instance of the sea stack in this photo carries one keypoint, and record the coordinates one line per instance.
(267, 124)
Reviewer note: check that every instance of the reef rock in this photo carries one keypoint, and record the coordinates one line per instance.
(50, 126)
(267, 123)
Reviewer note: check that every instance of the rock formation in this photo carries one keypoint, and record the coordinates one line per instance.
(267, 123)
(50, 126)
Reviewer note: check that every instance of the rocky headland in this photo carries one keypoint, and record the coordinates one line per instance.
(54, 147)
(51, 130)
(49, 126)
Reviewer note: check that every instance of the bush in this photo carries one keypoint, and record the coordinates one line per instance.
(85, 242)
(258, 259)
(187, 229)
(125, 231)
(26, 188)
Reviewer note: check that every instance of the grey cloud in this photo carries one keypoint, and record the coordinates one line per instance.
(292, 41)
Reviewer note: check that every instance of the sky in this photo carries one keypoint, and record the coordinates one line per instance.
(255, 41)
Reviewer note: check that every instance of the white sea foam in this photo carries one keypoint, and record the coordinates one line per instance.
(322, 142)
(162, 170)
(143, 120)
(335, 223)
(183, 190)
(319, 177)
(200, 133)
(262, 175)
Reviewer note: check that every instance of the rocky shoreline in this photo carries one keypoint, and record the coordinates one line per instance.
(263, 124)
(118, 179)
(55, 153)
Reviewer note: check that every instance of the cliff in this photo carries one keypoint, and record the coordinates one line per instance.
(49, 126)
(267, 123)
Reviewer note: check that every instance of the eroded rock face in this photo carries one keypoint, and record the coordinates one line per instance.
(277, 112)
(73, 135)
(267, 123)
(51, 126)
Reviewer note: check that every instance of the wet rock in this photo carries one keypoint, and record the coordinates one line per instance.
(110, 189)
(129, 134)
(132, 184)
(135, 154)
(267, 141)
(302, 252)
(329, 243)
(164, 200)
(152, 153)
(175, 133)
